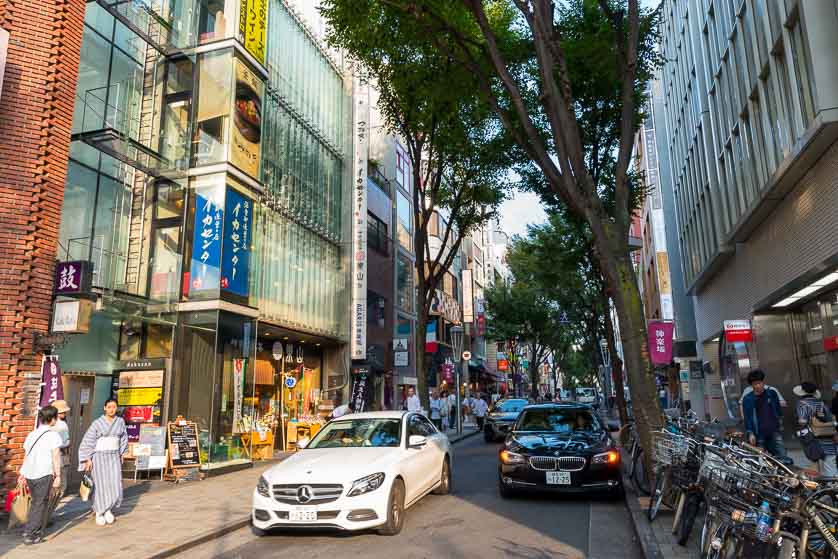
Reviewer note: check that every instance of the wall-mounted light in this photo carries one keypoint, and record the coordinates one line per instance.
(816, 285)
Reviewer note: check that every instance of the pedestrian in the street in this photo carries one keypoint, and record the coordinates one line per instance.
(413, 402)
(41, 471)
(443, 410)
(452, 410)
(342, 410)
(812, 413)
(479, 410)
(63, 431)
(763, 415)
(100, 452)
(436, 412)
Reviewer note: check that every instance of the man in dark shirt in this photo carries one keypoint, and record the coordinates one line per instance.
(763, 415)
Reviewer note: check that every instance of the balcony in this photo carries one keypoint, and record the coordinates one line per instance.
(141, 18)
(111, 123)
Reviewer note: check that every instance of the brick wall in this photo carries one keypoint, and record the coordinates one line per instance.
(36, 113)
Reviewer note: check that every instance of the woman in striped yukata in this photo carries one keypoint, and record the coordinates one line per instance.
(101, 452)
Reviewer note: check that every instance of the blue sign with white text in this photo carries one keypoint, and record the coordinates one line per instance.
(206, 245)
(235, 261)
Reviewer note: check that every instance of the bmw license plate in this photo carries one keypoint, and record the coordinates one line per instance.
(558, 478)
(303, 514)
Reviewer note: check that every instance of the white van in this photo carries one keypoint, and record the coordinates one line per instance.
(586, 395)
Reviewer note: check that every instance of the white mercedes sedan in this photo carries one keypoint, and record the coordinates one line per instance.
(359, 471)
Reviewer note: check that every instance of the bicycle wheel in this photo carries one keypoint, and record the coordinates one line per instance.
(691, 509)
(639, 475)
(708, 529)
(656, 498)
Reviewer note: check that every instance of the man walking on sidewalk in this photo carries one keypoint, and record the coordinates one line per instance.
(763, 415)
(479, 409)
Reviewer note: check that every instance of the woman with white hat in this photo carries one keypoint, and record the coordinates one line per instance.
(814, 415)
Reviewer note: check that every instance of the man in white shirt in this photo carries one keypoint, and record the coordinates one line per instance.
(41, 470)
(479, 409)
(413, 401)
(341, 411)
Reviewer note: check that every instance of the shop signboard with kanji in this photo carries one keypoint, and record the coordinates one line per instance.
(235, 262)
(253, 27)
(738, 331)
(660, 342)
(72, 277)
(206, 245)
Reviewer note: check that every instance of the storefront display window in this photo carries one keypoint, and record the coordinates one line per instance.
(214, 383)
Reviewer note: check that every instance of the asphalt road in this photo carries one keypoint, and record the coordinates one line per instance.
(474, 522)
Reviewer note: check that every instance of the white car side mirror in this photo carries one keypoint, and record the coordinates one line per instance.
(302, 443)
(416, 441)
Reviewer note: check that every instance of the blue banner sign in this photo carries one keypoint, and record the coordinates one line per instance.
(235, 262)
(206, 246)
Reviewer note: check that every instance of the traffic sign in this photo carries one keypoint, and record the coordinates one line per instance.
(466, 355)
(399, 344)
(290, 382)
(563, 318)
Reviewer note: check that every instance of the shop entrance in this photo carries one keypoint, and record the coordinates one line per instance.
(78, 393)
(288, 390)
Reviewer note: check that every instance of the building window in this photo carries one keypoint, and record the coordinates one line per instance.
(404, 283)
(802, 71)
(377, 234)
(375, 309)
(405, 221)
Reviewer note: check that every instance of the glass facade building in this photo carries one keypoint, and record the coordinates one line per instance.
(208, 188)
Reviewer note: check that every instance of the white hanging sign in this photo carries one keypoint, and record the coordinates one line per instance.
(360, 143)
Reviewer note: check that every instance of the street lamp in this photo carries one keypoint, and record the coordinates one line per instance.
(457, 334)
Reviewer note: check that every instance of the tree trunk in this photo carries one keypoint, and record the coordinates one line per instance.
(620, 277)
(616, 364)
(536, 357)
(419, 342)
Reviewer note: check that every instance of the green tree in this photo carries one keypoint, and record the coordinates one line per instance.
(454, 142)
(566, 80)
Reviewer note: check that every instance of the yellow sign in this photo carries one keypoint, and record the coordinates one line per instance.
(663, 273)
(139, 396)
(253, 27)
(246, 137)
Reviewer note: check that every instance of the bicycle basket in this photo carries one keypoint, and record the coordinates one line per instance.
(670, 448)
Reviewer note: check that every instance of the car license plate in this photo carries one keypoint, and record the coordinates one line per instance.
(303, 514)
(558, 478)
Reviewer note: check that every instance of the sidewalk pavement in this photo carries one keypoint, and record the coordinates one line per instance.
(157, 519)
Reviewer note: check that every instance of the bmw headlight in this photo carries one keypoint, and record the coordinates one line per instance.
(611, 457)
(511, 458)
(263, 488)
(366, 484)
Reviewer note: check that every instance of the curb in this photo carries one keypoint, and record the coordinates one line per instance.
(234, 525)
(207, 536)
(648, 542)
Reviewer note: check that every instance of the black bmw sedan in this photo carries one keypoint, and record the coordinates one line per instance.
(559, 447)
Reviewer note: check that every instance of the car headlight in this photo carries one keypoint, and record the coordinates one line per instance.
(510, 458)
(263, 488)
(611, 457)
(366, 484)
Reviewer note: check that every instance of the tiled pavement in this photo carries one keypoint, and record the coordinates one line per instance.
(156, 519)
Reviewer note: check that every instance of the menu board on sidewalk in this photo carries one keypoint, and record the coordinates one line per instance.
(183, 445)
(150, 451)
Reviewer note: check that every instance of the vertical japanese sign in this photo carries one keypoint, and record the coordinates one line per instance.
(246, 137)
(235, 258)
(206, 245)
(468, 297)
(360, 142)
(253, 27)
(660, 342)
(51, 387)
(238, 393)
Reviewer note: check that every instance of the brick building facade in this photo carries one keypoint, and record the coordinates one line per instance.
(36, 112)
